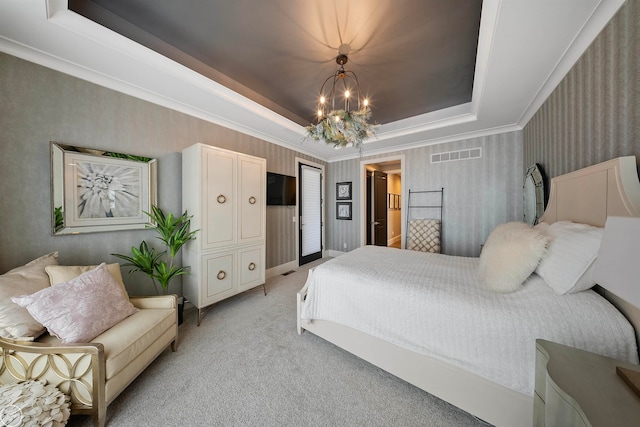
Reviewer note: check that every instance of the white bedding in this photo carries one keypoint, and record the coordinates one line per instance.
(434, 304)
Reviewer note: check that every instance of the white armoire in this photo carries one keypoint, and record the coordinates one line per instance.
(225, 192)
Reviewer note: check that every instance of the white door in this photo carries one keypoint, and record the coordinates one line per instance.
(310, 187)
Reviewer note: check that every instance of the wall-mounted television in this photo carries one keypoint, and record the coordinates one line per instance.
(281, 190)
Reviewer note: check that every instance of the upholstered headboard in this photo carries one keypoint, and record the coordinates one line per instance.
(592, 194)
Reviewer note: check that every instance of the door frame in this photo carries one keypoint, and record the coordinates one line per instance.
(363, 190)
(322, 204)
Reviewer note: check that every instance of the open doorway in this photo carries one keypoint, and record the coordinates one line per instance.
(382, 217)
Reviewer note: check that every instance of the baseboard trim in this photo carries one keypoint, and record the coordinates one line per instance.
(392, 240)
(333, 254)
(279, 269)
(293, 265)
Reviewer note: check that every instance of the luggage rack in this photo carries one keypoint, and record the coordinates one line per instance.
(423, 203)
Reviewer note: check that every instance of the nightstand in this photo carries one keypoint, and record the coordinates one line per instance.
(578, 388)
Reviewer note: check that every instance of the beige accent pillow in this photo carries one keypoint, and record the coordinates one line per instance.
(63, 273)
(79, 310)
(15, 321)
(509, 256)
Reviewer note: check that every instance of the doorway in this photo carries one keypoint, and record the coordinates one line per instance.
(377, 208)
(382, 196)
(309, 213)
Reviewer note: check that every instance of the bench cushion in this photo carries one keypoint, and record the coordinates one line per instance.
(129, 338)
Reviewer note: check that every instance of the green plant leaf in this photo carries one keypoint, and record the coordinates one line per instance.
(174, 233)
(165, 273)
(144, 258)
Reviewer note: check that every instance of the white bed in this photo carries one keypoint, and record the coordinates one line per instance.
(486, 377)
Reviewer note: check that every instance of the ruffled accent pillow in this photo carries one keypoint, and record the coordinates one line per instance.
(509, 256)
(39, 404)
(81, 309)
(568, 265)
(15, 321)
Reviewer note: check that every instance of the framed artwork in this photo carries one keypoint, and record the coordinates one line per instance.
(343, 191)
(394, 201)
(343, 210)
(96, 190)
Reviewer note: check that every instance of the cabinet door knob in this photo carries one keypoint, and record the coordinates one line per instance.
(221, 199)
(221, 275)
(252, 266)
(252, 200)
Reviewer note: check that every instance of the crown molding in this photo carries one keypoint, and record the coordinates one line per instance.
(516, 70)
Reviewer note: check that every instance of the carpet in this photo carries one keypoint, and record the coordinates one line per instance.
(245, 365)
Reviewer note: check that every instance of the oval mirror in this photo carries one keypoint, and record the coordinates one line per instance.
(533, 195)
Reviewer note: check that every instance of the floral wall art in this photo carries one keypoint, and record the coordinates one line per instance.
(97, 190)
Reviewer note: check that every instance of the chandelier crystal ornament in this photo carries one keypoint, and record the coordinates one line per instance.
(342, 127)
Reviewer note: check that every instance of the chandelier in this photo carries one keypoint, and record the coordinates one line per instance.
(342, 127)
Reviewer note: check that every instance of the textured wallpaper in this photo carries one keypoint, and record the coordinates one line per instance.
(479, 193)
(592, 116)
(594, 113)
(41, 105)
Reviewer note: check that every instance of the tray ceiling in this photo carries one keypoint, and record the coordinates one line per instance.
(436, 71)
(411, 56)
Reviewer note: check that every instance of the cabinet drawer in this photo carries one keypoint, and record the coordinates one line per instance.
(250, 267)
(218, 271)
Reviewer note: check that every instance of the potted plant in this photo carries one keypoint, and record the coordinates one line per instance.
(159, 265)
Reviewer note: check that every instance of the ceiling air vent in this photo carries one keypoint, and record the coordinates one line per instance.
(451, 156)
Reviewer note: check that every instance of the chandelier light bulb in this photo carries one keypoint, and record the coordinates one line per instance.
(340, 125)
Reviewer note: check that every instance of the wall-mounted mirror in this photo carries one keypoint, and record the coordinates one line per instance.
(533, 195)
(97, 190)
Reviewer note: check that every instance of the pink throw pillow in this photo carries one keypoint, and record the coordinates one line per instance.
(82, 308)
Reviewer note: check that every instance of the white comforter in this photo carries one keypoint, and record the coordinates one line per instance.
(434, 304)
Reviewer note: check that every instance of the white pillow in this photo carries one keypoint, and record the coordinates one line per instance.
(509, 256)
(15, 321)
(573, 248)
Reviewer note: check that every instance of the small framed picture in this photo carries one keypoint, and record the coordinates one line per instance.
(343, 191)
(343, 210)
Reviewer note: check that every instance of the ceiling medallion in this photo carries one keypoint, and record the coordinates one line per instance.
(342, 127)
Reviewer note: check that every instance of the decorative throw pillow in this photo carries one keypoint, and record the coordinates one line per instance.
(63, 273)
(80, 309)
(568, 264)
(35, 402)
(510, 254)
(15, 321)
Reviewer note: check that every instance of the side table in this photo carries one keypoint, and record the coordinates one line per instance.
(578, 388)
